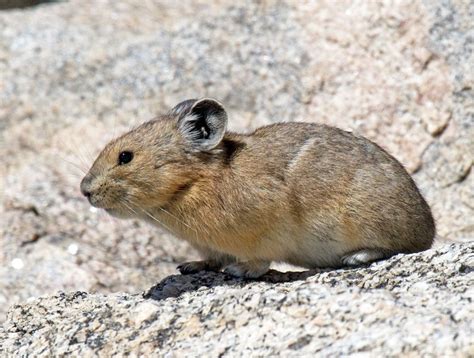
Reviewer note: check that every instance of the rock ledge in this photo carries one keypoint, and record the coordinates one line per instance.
(420, 303)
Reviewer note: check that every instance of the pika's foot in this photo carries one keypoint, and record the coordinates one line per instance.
(362, 257)
(190, 267)
(248, 269)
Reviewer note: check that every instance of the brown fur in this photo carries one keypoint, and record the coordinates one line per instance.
(303, 193)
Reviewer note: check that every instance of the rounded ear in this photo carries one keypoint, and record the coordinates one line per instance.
(204, 124)
(182, 108)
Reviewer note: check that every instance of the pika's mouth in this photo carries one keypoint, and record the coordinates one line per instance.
(93, 200)
(118, 213)
(112, 211)
(100, 202)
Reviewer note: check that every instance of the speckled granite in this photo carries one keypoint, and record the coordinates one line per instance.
(416, 305)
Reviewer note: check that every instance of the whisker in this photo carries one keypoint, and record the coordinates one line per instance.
(149, 215)
(75, 151)
(114, 127)
(173, 216)
(129, 208)
(89, 156)
(158, 221)
(179, 220)
(73, 164)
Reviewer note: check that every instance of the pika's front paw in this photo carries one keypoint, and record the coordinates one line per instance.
(249, 269)
(190, 267)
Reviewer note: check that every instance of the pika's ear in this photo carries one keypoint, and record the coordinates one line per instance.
(204, 124)
(182, 108)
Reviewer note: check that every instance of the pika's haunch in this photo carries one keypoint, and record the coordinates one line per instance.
(306, 194)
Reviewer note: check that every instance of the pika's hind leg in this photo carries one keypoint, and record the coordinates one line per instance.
(363, 257)
(248, 269)
(213, 261)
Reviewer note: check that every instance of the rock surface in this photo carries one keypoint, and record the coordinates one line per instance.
(410, 305)
(72, 77)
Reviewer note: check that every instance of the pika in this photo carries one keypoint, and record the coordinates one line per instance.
(302, 193)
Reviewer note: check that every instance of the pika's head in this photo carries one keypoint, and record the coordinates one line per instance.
(148, 166)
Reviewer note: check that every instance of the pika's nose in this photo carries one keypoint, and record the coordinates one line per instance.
(85, 187)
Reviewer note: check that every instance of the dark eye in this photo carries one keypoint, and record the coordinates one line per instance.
(125, 157)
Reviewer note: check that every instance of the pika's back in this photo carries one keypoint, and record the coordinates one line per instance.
(347, 180)
(295, 146)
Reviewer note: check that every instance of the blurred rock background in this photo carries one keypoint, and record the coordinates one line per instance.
(76, 73)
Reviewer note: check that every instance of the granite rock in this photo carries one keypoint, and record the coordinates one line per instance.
(410, 305)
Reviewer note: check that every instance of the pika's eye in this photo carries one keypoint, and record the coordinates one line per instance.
(125, 157)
